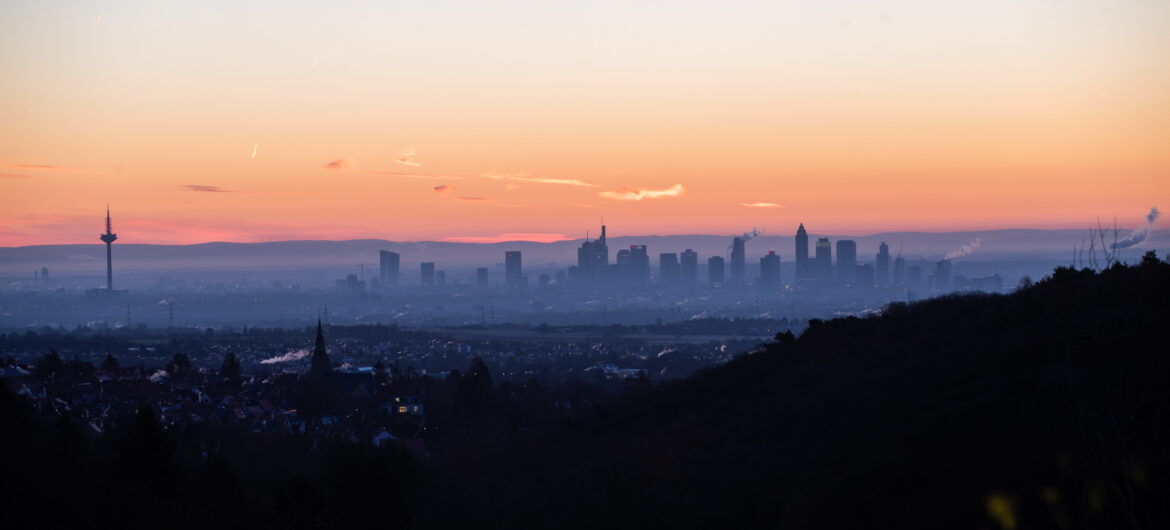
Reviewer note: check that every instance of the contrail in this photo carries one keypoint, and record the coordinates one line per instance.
(254, 148)
(1139, 235)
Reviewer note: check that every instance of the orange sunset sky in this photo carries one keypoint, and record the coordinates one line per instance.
(476, 121)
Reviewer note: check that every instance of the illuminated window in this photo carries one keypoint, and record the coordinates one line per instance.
(402, 409)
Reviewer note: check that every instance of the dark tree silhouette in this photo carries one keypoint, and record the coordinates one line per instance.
(49, 365)
(111, 362)
(230, 369)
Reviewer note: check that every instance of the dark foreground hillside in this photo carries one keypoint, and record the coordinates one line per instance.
(1049, 407)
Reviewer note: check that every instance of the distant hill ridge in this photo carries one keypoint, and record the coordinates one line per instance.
(995, 244)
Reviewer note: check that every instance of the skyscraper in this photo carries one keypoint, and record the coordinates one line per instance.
(802, 270)
(388, 267)
(108, 238)
(690, 267)
(738, 265)
(633, 265)
(512, 269)
(427, 270)
(481, 278)
(593, 260)
(715, 274)
(882, 265)
(823, 267)
(770, 270)
(941, 279)
(899, 270)
(669, 271)
(846, 260)
(863, 278)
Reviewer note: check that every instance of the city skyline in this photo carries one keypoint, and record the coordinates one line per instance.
(405, 122)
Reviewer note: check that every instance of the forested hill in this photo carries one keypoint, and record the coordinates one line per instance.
(1048, 407)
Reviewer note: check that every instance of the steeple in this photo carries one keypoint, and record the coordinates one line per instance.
(319, 363)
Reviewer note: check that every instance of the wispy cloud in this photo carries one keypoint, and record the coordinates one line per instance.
(444, 188)
(761, 205)
(49, 168)
(637, 194)
(416, 175)
(33, 166)
(13, 176)
(474, 199)
(510, 236)
(201, 187)
(340, 163)
(407, 158)
(495, 175)
(527, 177)
(567, 182)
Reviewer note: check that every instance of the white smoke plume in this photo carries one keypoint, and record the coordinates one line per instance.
(1139, 235)
(294, 355)
(964, 250)
(158, 376)
(748, 236)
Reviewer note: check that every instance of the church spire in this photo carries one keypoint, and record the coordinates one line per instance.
(319, 363)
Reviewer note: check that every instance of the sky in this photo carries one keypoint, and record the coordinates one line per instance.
(484, 121)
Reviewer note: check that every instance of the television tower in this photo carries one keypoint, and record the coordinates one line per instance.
(109, 237)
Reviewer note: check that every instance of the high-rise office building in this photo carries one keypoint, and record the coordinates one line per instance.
(440, 278)
(823, 266)
(715, 273)
(512, 269)
(738, 263)
(941, 279)
(633, 265)
(770, 270)
(802, 268)
(388, 268)
(863, 278)
(481, 278)
(593, 260)
(669, 270)
(846, 260)
(899, 270)
(882, 265)
(914, 276)
(689, 267)
(427, 270)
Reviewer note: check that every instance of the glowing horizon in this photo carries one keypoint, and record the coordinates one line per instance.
(457, 121)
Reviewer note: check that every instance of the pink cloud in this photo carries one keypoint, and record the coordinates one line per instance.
(200, 187)
(415, 175)
(637, 194)
(340, 163)
(761, 205)
(525, 177)
(13, 176)
(444, 188)
(407, 158)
